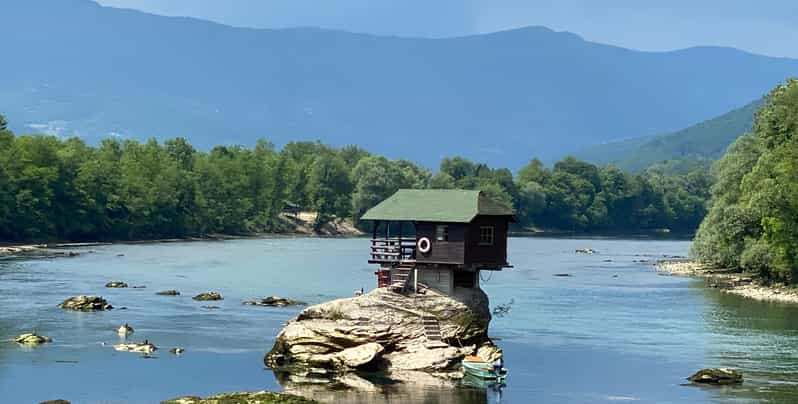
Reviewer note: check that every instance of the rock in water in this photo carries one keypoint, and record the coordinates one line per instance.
(32, 339)
(170, 292)
(116, 284)
(124, 330)
(260, 397)
(177, 351)
(85, 303)
(206, 296)
(383, 330)
(144, 347)
(274, 301)
(719, 376)
(55, 402)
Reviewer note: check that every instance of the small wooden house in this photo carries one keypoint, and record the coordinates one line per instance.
(438, 238)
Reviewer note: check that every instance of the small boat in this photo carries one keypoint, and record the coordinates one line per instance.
(480, 368)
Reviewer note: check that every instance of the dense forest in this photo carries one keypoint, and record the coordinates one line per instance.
(53, 189)
(753, 220)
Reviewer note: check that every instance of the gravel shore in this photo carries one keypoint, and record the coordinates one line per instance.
(730, 282)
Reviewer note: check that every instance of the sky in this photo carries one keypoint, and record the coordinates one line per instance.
(768, 27)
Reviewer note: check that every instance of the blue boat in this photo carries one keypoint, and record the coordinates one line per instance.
(479, 368)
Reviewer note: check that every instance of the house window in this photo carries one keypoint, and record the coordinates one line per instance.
(486, 236)
(442, 232)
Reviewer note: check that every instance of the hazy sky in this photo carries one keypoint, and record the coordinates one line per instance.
(766, 26)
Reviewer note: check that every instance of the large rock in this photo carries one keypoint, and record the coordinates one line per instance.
(170, 292)
(719, 376)
(382, 330)
(260, 397)
(85, 303)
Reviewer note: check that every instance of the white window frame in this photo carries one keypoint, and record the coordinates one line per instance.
(441, 232)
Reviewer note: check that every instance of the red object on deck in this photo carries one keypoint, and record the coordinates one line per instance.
(383, 278)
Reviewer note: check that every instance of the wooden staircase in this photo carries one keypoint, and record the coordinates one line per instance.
(399, 280)
(432, 329)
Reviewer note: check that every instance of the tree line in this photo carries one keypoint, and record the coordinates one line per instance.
(752, 223)
(54, 189)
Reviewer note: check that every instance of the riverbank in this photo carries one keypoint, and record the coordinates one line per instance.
(302, 227)
(729, 281)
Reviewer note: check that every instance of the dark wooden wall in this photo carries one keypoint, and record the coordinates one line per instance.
(463, 246)
(486, 254)
(442, 252)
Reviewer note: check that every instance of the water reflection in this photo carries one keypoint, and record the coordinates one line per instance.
(759, 338)
(398, 387)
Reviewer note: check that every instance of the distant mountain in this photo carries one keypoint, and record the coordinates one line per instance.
(71, 66)
(705, 141)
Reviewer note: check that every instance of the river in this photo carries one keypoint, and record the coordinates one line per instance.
(613, 331)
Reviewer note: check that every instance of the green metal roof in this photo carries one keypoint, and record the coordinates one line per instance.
(436, 205)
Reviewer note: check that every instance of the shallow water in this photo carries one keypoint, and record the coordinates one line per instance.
(614, 331)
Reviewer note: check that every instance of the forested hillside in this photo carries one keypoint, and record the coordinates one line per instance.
(753, 220)
(52, 189)
(72, 67)
(699, 144)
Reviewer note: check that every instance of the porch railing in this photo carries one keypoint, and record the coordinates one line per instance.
(393, 250)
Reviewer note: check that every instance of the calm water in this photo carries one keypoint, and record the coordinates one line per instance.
(614, 331)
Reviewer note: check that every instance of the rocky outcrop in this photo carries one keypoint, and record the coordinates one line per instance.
(260, 397)
(170, 292)
(32, 339)
(718, 376)
(274, 301)
(382, 330)
(208, 296)
(116, 284)
(85, 303)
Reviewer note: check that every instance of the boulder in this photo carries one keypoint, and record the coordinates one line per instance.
(208, 296)
(260, 397)
(85, 303)
(490, 352)
(143, 347)
(116, 284)
(382, 330)
(55, 402)
(177, 350)
(32, 339)
(717, 376)
(358, 356)
(274, 301)
(585, 251)
(170, 292)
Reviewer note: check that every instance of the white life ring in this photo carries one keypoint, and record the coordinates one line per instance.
(424, 245)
